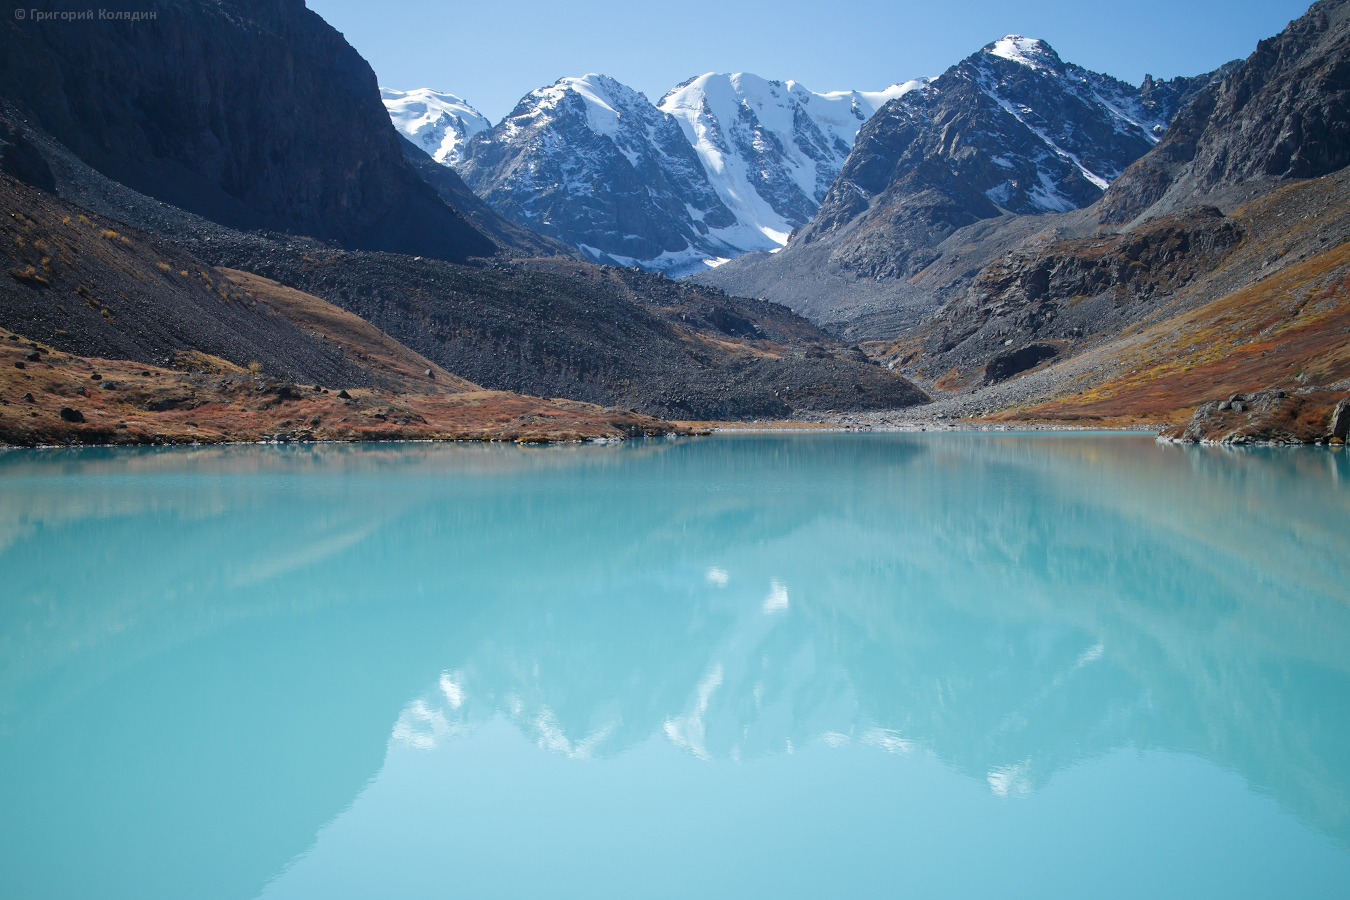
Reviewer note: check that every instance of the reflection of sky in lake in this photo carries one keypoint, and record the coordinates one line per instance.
(937, 665)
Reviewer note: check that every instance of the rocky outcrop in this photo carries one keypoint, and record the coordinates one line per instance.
(253, 113)
(1003, 366)
(20, 159)
(1339, 428)
(1072, 289)
(1274, 416)
(1284, 113)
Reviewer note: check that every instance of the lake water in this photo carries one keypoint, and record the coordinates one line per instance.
(931, 666)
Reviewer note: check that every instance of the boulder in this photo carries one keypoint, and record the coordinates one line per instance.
(1340, 420)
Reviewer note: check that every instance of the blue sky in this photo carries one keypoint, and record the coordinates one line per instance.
(492, 54)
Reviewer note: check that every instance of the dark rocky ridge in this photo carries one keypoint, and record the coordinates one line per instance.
(251, 113)
(1284, 113)
(600, 334)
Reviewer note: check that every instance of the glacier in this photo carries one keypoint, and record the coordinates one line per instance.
(771, 149)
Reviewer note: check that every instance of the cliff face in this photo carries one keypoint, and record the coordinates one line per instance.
(252, 113)
(1284, 113)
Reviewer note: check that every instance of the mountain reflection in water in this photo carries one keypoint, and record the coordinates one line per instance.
(207, 655)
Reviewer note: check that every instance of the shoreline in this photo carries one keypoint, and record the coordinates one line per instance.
(691, 430)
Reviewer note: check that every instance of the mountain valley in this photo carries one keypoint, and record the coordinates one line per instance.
(1015, 240)
(108, 287)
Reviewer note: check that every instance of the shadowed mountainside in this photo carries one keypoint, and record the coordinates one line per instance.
(251, 113)
(140, 342)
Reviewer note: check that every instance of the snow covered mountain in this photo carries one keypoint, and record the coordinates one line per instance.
(1012, 128)
(726, 164)
(438, 123)
(771, 149)
(1093, 122)
(937, 171)
(592, 162)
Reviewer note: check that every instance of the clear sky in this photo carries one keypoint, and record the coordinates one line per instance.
(493, 53)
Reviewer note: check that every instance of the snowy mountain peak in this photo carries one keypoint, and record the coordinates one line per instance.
(1030, 52)
(723, 165)
(770, 149)
(592, 162)
(437, 122)
(607, 100)
(1011, 128)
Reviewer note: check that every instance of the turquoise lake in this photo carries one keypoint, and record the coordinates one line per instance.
(891, 665)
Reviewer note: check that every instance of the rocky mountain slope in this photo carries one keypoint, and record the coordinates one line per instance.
(510, 238)
(1213, 267)
(724, 164)
(1281, 115)
(115, 336)
(605, 335)
(252, 114)
(1011, 130)
(92, 286)
(64, 398)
